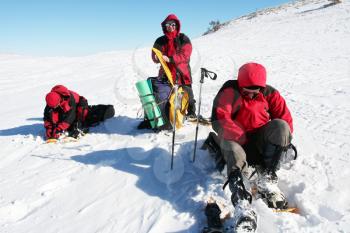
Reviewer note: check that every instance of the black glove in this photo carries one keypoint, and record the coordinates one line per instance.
(75, 133)
(57, 133)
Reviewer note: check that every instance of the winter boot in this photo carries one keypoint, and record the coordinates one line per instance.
(165, 127)
(145, 124)
(267, 185)
(267, 181)
(77, 130)
(214, 149)
(210, 143)
(245, 218)
(237, 188)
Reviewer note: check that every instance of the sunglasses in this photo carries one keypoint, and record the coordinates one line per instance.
(252, 93)
(170, 25)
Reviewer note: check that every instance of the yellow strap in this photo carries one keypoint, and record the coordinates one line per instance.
(164, 65)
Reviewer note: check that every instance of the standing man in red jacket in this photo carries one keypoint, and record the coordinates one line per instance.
(67, 111)
(254, 127)
(176, 48)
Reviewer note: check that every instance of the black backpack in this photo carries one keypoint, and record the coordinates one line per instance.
(228, 84)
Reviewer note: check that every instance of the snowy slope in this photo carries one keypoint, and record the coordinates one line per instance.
(118, 179)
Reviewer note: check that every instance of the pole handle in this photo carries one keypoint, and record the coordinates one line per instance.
(207, 74)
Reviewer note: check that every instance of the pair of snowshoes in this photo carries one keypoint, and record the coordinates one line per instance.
(244, 220)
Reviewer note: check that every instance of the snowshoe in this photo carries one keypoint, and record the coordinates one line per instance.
(245, 219)
(201, 120)
(191, 117)
(212, 211)
(61, 140)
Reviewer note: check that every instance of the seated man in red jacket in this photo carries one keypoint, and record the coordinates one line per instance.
(254, 126)
(67, 111)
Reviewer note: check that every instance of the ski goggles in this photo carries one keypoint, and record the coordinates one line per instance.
(170, 24)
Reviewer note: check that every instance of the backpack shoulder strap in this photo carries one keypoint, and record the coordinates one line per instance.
(268, 90)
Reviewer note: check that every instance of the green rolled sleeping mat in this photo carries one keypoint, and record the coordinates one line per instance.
(149, 103)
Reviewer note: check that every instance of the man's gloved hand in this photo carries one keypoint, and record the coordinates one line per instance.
(58, 133)
(166, 59)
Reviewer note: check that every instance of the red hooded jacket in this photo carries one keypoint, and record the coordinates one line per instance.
(177, 46)
(234, 115)
(57, 119)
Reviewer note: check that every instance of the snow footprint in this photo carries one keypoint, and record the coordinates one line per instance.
(329, 213)
(18, 210)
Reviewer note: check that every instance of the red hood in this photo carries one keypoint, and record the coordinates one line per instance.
(171, 17)
(60, 89)
(54, 97)
(252, 74)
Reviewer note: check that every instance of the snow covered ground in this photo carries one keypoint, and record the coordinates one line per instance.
(118, 179)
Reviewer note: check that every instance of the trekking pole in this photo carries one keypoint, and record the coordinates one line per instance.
(204, 73)
(174, 124)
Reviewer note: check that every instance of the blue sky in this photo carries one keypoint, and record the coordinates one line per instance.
(81, 27)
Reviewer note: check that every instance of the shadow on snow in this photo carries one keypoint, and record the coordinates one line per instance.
(122, 125)
(34, 129)
(179, 194)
